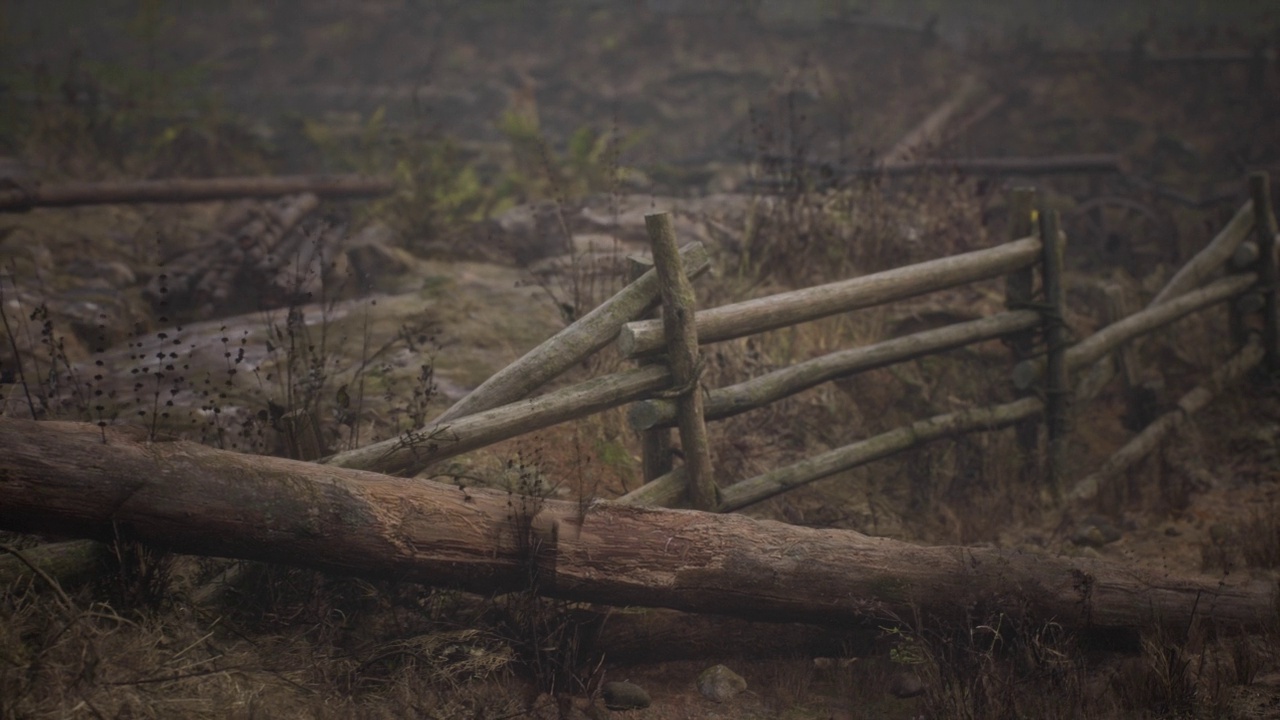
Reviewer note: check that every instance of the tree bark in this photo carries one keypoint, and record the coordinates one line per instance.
(86, 481)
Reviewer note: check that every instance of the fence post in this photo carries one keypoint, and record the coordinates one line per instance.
(1265, 227)
(655, 443)
(681, 334)
(1018, 296)
(1056, 388)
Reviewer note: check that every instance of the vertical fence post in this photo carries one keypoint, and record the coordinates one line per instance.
(1265, 227)
(1056, 388)
(678, 306)
(1018, 289)
(655, 443)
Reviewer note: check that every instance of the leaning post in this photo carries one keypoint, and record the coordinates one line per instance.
(1056, 388)
(681, 335)
(655, 442)
(1265, 226)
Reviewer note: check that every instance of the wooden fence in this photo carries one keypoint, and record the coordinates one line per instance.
(665, 390)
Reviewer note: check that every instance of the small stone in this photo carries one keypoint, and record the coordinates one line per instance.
(624, 696)
(906, 685)
(720, 684)
(1095, 532)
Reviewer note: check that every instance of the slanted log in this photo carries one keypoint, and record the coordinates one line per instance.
(570, 346)
(415, 450)
(1099, 344)
(81, 480)
(931, 131)
(775, 482)
(1194, 401)
(1211, 259)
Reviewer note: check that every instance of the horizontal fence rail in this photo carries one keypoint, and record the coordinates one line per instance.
(791, 308)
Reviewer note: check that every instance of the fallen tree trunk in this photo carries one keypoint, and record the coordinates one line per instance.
(92, 482)
(180, 190)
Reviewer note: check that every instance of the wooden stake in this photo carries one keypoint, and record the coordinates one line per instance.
(678, 307)
(1019, 286)
(655, 442)
(1265, 226)
(1056, 388)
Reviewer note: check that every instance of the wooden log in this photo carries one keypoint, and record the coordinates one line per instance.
(1211, 259)
(989, 166)
(1057, 392)
(572, 345)
(1265, 230)
(930, 132)
(1026, 166)
(1147, 440)
(771, 387)
(84, 481)
(678, 307)
(789, 308)
(416, 450)
(66, 563)
(1099, 344)
(185, 190)
(655, 443)
(763, 487)
(1019, 291)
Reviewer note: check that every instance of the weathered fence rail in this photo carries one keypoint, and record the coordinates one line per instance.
(790, 308)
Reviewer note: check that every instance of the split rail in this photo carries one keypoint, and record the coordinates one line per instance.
(666, 389)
